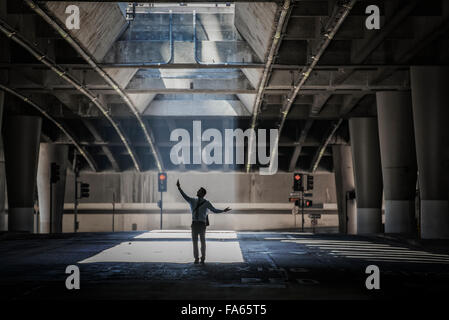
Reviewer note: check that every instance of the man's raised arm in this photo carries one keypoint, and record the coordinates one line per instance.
(183, 194)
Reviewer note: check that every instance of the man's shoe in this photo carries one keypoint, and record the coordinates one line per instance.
(202, 262)
(196, 261)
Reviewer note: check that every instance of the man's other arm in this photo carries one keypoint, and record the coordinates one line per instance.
(215, 210)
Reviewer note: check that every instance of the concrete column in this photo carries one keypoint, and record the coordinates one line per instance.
(344, 182)
(367, 174)
(3, 225)
(398, 156)
(3, 222)
(21, 141)
(430, 100)
(49, 153)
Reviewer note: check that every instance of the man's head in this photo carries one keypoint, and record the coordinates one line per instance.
(201, 192)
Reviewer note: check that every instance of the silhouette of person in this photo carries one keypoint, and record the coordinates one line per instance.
(199, 207)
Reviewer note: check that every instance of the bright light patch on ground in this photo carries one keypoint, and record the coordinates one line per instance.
(174, 251)
(175, 234)
(279, 232)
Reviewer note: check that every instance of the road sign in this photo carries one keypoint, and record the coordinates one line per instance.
(308, 194)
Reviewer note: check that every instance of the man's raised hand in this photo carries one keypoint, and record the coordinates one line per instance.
(177, 184)
(227, 209)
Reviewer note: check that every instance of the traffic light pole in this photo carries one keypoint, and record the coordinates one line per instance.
(75, 209)
(302, 211)
(51, 206)
(161, 210)
(298, 186)
(161, 187)
(113, 211)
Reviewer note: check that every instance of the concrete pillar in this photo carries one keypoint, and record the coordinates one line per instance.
(3, 226)
(430, 100)
(49, 153)
(367, 174)
(3, 222)
(344, 182)
(21, 141)
(398, 156)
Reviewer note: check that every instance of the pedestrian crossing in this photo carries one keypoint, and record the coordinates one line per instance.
(371, 251)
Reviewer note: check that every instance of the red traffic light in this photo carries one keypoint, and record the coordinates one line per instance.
(297, 182)
(162, 182)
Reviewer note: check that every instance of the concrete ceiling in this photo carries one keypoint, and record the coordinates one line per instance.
(218, 79)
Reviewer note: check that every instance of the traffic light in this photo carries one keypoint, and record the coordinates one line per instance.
(162, 182)
(297, 182)
(308, 203)
(350, 195)
(84, 190)
(309, 182)
(54, 172)
(130, 12)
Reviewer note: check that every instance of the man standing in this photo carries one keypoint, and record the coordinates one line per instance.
(199, 207)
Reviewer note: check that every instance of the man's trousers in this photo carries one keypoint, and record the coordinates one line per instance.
(199, 229)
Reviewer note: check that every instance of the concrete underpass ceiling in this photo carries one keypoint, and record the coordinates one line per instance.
(179, 105)
(167, 33)
(356, 64)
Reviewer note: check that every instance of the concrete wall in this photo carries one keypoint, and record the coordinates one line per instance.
(134, 187)
(258, 202)
(228, 221)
